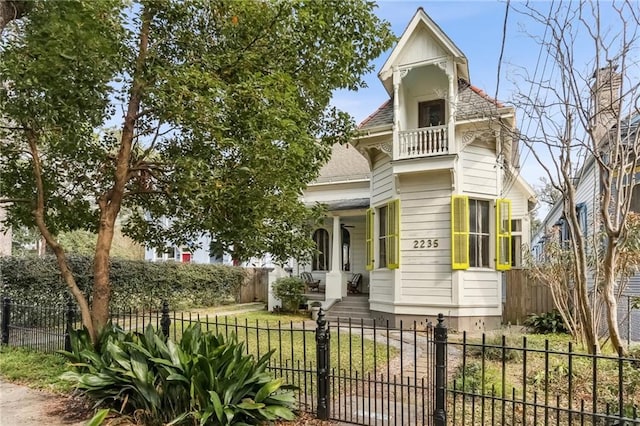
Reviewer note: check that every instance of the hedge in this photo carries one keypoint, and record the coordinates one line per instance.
(135, 284)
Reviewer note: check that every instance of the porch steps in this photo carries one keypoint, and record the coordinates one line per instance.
(354, 307)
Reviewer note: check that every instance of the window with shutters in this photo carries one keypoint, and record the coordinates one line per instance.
(479, 234)
(382, 237)
(389, 235)
(321, 256)
(503, 235)
(369, 240)
(475, 238)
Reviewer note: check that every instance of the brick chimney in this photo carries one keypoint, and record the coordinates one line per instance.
(605, 93)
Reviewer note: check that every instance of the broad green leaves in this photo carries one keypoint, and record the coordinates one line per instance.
(204, 377)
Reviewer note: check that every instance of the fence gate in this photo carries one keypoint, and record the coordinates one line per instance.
(378, 375)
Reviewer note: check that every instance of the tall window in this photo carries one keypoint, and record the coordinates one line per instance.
(479, 233)
(388, 218)
(382, 237)
(471, 232)
(321, 257)
(346, 250)
(431, 113)
(516, 243)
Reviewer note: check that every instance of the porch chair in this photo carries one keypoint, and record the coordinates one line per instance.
(311, 283)
(353, 285)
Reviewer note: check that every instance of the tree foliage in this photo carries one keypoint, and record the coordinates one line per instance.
(222, 116)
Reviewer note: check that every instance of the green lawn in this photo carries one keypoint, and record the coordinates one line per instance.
(36, 369)
(291, 337)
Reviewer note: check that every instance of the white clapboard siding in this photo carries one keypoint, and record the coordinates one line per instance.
(480, 287)
(419, 47)
(425, 206)
(381, 179)
(479, 166)
(381, 287)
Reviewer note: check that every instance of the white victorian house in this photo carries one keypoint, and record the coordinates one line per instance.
(427, 203)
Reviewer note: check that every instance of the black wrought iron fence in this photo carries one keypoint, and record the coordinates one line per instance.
(529, 380)
(375, 374)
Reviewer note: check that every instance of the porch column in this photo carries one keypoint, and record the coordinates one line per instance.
(333, 289)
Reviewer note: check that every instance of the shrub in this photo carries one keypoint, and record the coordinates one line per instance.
(495, 349)
(548, 322)
(135, 284)
(290, 291)
(202, 379)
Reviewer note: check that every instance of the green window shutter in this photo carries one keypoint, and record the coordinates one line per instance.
(393, 234)
(503, 234)
(369, 239)
(459, 232)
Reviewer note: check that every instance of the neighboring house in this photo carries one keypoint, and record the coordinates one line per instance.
(200, 254)
(427, 203)
(588, 199)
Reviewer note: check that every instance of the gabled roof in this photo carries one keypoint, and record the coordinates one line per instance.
(472, 103)
(380, 117)
(345, 164)
(421, 18)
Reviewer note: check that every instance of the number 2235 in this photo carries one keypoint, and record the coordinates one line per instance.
(419, 244)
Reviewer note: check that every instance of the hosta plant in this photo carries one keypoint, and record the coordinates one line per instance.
(204, 378)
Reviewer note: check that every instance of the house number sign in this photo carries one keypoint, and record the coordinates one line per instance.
(425, 244)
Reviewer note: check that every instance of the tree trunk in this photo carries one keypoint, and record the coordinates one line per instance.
(111, 202)
(39, 214)
(610, 300)
(12, 9)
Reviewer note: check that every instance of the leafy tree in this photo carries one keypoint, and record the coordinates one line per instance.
(225, 118)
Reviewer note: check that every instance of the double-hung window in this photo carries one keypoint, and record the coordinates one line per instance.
(479, 235)
(388, 226)
(472, 231)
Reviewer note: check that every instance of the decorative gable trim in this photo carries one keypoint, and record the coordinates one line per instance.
(421, 17)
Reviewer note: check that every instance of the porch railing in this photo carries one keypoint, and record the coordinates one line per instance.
(424, 142)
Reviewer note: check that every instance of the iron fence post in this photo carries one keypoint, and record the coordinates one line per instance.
(165, 321)
(322, 352)
(440, 338)
(69, 325)
(6, 317)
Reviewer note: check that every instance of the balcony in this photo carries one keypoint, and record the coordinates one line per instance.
(424, 142)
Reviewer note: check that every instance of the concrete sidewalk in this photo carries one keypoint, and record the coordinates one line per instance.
(20, 405)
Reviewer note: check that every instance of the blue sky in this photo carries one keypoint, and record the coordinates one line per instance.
(476, 27)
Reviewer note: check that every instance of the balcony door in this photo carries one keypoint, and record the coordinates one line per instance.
(431, 113)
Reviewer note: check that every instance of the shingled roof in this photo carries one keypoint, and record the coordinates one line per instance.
(472, 103)
(346, 163)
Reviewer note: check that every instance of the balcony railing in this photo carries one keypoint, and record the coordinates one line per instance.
(424, 142)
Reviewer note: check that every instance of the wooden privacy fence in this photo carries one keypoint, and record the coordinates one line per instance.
(255, 287)
(524, 296)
